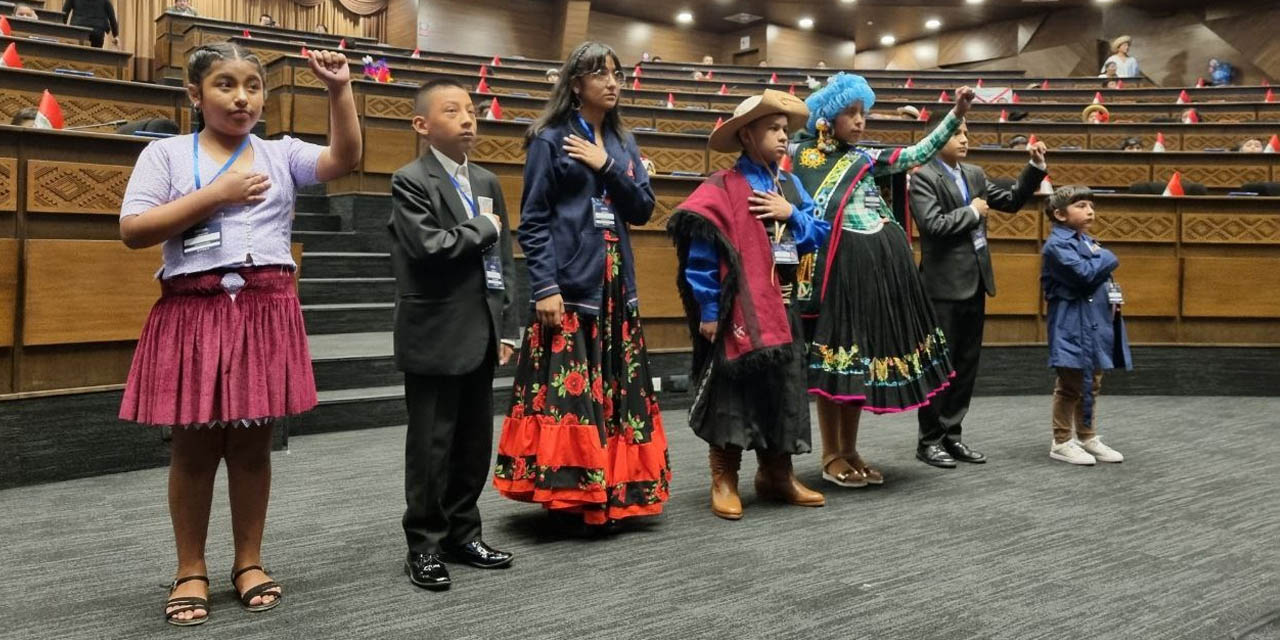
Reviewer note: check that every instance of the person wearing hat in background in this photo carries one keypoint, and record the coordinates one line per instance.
(908, 112)
(1126, 65)
(1095, 114)
(740, 237)
(1131, 144)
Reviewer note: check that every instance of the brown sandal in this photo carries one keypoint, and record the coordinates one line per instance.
(872, 476)
(268, 588)
(174, 606)
(850, 478)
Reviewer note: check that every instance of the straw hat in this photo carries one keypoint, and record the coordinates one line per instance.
(1094, 108)
(1115, 44)
(725, 138)
(909, 111)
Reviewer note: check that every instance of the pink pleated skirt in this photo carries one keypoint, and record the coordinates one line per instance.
(208, 358)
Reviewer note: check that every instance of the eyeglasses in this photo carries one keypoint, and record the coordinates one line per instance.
(601, 74)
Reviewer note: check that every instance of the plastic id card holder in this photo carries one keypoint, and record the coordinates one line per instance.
(979, 238)
(493, 271)
(785, 252)
(602, 213)
(1114, 294)
(202, 237)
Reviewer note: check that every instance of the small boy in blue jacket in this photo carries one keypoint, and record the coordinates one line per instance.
(1086, 330)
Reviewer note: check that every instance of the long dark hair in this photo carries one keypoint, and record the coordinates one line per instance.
(201, 61)
(587, 58)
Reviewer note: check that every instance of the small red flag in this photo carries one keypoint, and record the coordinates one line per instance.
(416, 53)
(1044, 84)
(773, 78)
(637, 72)
(247, 34)
(305, 53)
(943, 97)
(909, 84)
(1174, 187)
(1273, 145)
(671, 101)
(1199, 83)
(1119, 84)
(635, 84)
(979, 84)
(1097, 97)
(1158, 147)
(495, 110)
(1004, 115)
(10, 58)
(719, 121)
(1032, 140)
(724, 90)
(791, 89)
(924, 114)
(4, 26)
(1270, 97)
(1183, 98)
(1015, 99)
(483, 87)
(342, 44)
(484, 71)
(708, 76)
(497, 62)
(1191, 117)
(50, 114)
(785, 163)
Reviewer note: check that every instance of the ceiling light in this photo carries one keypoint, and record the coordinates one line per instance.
(1103, 1)
(932, 23)
(887, 40)
(806, 23)
(684, 17)
(973, 1)
(848, 1)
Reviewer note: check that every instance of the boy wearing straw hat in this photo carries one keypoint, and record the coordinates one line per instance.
(740, 238)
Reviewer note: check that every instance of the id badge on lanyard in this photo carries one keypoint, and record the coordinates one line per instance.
(483, 205)
(206, 235)
(602, 213)
(1114, 294)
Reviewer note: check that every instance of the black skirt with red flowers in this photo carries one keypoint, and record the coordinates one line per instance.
(584, 433)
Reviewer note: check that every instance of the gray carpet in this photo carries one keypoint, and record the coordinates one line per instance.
(1180, 541)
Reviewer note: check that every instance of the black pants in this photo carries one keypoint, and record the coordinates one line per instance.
(447, 449)
(961, 322)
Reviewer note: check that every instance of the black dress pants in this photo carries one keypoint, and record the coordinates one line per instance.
(961, 322)
(447, 456)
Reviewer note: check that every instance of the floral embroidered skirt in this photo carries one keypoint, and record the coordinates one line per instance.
(584, 433)
(876, 340)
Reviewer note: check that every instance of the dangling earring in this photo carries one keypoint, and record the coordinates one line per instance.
(826, 143)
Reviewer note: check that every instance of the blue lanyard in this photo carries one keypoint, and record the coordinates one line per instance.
(591, 137)
(958, 178)
(471, 204)
(195, 157)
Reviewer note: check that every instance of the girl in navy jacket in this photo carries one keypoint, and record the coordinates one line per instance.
(584, 435)
(1086, 329)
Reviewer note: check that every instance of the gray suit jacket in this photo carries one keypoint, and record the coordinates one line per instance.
(446, 318)
(952, 268)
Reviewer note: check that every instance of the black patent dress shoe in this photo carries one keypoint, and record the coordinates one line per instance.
(962, 453)
(427, 570)
(936, 456)
(480, 555)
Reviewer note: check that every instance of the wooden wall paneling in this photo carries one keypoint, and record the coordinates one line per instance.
(73, 366)
(1150, 330)
(656, 268)
(393, 147)
(6, 370)
(1211, 170)
(1241, 331)
(75, 187)
(8, 184)
(797, 48)
(402, 23)
(488, 27)
(757, 49)
(1149, 282)
(8, 295)
(1017, 285)
(1230, 287)
(631, 38)
(673, 152)
(66, 288)
(1010, 330)
(990, 41)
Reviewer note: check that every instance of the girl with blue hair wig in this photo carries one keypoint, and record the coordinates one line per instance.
(842, 90)
(875, 343)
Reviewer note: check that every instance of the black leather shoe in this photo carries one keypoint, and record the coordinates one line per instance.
(427, 571)
(480, 555)
(936, 456)
(962, 453)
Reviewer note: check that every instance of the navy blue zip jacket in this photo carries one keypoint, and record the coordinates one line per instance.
(562, 246)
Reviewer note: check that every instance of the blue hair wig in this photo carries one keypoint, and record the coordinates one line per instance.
(842, 90)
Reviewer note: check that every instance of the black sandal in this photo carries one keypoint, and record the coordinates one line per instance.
(184, 604)
(253, 592)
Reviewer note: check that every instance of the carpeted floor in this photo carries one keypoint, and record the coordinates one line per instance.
(1180, 541)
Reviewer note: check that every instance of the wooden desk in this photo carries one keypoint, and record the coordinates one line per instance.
(46, 15)
(1101, 137)
(45, 29)
(171, 45)
(47, 56)
(92, 100)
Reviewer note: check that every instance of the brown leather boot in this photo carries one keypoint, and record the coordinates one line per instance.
(724, 482)
(777, 481)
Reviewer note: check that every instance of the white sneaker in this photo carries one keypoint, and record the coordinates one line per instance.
(1101, 452)
(1070, 451)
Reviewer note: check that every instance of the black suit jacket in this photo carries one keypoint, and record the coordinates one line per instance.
(446, 318)
(952, 269)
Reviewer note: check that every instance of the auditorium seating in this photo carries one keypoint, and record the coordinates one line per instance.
(1193, 267)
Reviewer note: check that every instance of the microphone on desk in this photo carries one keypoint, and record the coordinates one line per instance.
(110, 123)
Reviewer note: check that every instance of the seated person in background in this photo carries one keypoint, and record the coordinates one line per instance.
(265, 20)
(1095, 114)
(553, 76)
(763, 63)
(657, 58)
(908, 112)
(320, 28)
(1109, 71)
(708, 60)
(23, 11)
(1126, 65)
(1220, 73)
(1111, 83)
(697, 75)
(644, 57)
(1018, 142)
(25, 117)
(822, 64)
(1131, 144)
(1252, 145)
(182, 7)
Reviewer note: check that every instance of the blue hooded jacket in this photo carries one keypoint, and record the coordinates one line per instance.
(1083, 331)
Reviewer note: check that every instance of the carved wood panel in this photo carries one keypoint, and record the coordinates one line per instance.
(1136, 227)
(8, 184)
(49, 64)
(1023, 225)
(78, 111)
(499, 149)
(1237, 228)
(65, 187)
(667, 159)
(1218, 174)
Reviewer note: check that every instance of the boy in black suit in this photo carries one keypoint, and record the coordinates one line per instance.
(949, 202)
(455, 285)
